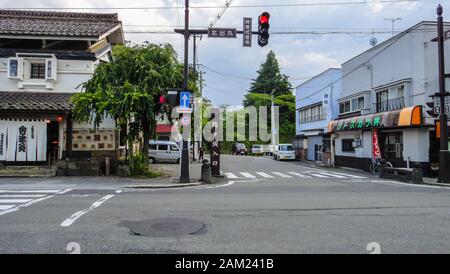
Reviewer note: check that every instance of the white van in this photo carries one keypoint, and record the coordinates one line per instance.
(284, 152)
(164, 151)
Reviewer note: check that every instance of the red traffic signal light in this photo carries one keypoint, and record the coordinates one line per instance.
(162, 99)
(263, 29)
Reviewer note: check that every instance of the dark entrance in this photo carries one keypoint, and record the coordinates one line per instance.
(391, 146)
(52, 140)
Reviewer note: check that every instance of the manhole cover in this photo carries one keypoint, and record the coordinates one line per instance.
(165, 227)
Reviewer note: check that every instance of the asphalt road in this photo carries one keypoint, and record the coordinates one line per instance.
(262, 207)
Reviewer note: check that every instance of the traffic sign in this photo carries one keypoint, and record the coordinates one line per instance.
(185, 120)
(221, 33)
(185, 99)
(247, 32)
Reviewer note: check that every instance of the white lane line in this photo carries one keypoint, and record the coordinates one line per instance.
(318, 175)
(231, 175)
(282, 175)
(332, 175)
(299, 175)
(247, 175)
(69, 221)
(211, 187)
(265, 175)
(14, 201)
(412, 185)
(348, 175)
(64, 191)
(21, 195)
(5, 207)
(26, 204)
(49, 191)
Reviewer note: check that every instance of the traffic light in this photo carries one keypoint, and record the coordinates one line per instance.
(263, 29)
(160, 103)
(431, 111)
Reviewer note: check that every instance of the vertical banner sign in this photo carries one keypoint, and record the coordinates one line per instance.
(247, 32)
(215, 144)
(325, 103)
(376, 144)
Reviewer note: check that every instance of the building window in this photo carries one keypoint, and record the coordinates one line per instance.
(390, 99)
(352, 105)
(392, 145)
(311, 114)
(347, 145)
(37, 71)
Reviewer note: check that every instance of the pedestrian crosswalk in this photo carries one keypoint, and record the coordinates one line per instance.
(13, 199)
(319, 174)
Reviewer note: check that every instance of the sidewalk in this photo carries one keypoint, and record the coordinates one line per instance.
(426, 180)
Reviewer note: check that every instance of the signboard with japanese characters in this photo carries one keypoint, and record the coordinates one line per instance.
(23, 141)
(247, 32)
(221, 33)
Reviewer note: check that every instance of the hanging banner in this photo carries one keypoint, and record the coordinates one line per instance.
(23, 141)
(376, 145)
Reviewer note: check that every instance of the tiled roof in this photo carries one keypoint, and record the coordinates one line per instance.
(60, 24)
(34, 101)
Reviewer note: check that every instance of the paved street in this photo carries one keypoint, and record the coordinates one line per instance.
(262, 207)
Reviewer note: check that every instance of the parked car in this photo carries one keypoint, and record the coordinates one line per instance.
(239, 149)
(164, 151)
(257, 150)
(284, 152)
(268, 150)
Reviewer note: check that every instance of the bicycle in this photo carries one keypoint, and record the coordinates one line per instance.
(375, 165)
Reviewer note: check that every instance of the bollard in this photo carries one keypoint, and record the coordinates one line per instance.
(206, 172)
(107, 166)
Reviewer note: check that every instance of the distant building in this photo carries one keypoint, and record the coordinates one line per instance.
(316, 105)
(44, 57)
(384, 91)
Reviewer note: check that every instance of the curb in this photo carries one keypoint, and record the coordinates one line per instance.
(163, 185)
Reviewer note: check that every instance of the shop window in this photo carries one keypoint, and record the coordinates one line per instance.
(347, 145)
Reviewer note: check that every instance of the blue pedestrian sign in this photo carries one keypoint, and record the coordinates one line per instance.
(185, 99)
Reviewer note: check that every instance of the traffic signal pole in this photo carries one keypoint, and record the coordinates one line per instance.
(184, 173)
(444, 156)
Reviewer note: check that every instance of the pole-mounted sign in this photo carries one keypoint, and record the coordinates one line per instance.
(247, 32)
(222, 33)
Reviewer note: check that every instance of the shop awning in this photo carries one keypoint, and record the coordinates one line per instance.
(407, 117)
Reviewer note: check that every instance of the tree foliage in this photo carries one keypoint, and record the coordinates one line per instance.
(270, 80)
(127, 88)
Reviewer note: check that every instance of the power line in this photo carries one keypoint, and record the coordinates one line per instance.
(215, 6)
(221, 13)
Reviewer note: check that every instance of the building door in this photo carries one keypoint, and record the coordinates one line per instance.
(52, 139)
(318, 150)
(391, 146)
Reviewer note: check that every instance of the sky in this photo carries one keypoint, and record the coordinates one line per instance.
(228, 67)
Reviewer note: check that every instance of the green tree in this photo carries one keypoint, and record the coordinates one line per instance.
(127, 88)
(270, 80)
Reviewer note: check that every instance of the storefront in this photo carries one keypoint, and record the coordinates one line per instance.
(399, 136)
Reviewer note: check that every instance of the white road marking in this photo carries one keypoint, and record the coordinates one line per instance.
(282, 175)
(299, 175)
(333, 175)
(265, 175)
(16, 208)
(231, 175)
(69, 221)
(318, 175)
(348, 175)
(219, 186)
(52, 191)
(64, 191)
(21, 195)
(247, 175)
(14, 201)
(5, 207)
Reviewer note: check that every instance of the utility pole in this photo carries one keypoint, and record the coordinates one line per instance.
(393, 23)
(194, 52)
(444, 157)
(184, 173)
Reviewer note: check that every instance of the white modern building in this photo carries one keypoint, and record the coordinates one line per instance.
(44, 57)
(316, 106)
(384, 95)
